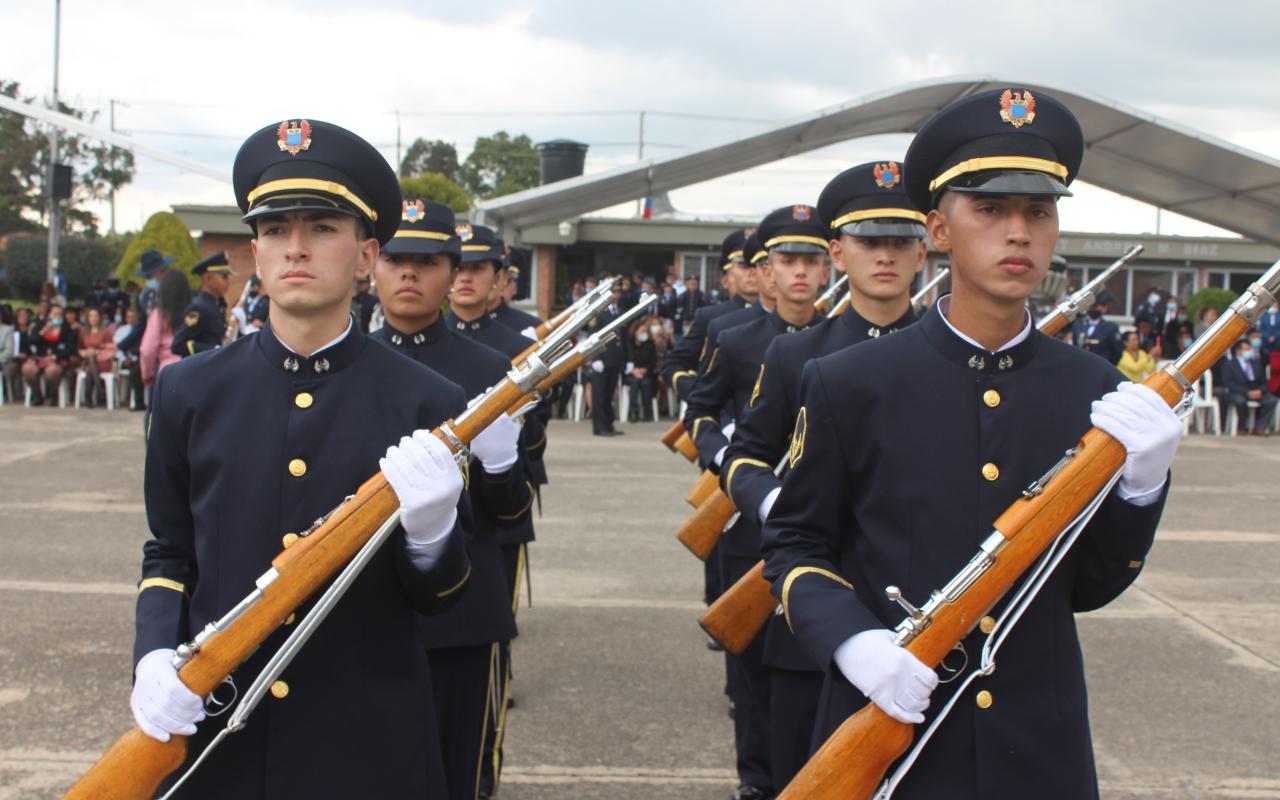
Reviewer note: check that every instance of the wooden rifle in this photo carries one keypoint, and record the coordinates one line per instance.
(575, 316)
(854, 760)
(716, 513)
(136, 764)
(738, 615)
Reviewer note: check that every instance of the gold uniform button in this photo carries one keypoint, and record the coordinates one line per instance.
(303, 400)
(990, 471)
(280, 690)
(984, 698)
(289, 619)
(987, 624)
(991, 397)
(297, 468)
(288, 540)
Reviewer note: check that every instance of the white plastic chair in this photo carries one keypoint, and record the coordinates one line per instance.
(577, 402)
(1204, 401)
(108, 383)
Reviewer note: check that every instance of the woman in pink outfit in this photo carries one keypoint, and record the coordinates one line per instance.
(97, 351)
(154, 353)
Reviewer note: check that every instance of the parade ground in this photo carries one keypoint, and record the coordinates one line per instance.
(617, 695)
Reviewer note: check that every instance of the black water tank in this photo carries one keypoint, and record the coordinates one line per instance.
(560, 158)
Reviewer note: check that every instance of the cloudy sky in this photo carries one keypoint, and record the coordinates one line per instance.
(195, 79)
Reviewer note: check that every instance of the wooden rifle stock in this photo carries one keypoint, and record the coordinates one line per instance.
(136, 764)
(707, 483)
(854, 760)
(686, 447)
(737, 616)
(673, 433)
(700, 532)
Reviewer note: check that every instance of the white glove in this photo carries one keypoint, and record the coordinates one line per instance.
(597, 366)
(1150, 432)
(719, 458)
(889, 675)
(530, 333)
(728, 430)
(766, 505)
(162, 704)
(497, 445)
(630, 366)
(428, 482)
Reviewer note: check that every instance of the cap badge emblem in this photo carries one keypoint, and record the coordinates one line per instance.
(1018, 108)
(801, 213)
(294, 136)
(887, 175)
(413, 212)
(464, 232)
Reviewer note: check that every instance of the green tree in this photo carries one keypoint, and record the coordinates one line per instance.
(24, 165)
(165, 233)
(82, 262)
(434, 156)
(500, 164)
(1209, 296)
(437, 187)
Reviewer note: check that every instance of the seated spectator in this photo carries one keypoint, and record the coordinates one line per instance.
(1148, 339)
(1205, 319)
(1136, 364)
(172, 299)
(21, 352)
(71, 321)
(642, 368)
(128, 359)
(51, 349)
(1178, 334)
(97, 354)
(1243, 374)
(50, 296)
(1269, 327)
(8, 345)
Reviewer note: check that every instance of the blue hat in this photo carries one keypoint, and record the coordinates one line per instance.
(794, 229)
(308, 165)
(480, 243)
(151, 262)
(426, 228)
(1005, 141)
(731, 249)
(868, 200)
(215, 263)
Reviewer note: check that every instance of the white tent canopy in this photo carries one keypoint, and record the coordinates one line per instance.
(1128, 151)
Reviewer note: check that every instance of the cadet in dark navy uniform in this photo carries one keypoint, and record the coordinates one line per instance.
(413, 276)
(877, 239)
(473, 284)
(1097, 334)
(318, 404)
(921, 439)
(605, 370)
(204, 323)
(680, 365)
(796, 241)
(501, 310)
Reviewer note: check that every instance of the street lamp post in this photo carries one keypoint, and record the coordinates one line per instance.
(54, 223)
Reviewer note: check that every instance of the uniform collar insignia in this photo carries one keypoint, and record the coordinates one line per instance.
(1006, 362)
(321, 365)
(291, 364)
(397, 339)
(418, 338)
(872, 332)
(977, 362)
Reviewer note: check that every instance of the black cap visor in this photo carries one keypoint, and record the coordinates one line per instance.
(873, 228)
(798, 247)
(1019, 183)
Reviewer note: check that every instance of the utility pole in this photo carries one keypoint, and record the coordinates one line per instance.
(112, 122)
(640, 157)
(52, 265)
(398, 175)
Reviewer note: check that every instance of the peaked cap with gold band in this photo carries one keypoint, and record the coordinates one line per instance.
(731, 249)
(480, 243)
(751, 249)
(309, 165)
(868, 200)
(794, 229)
(426, 228)
(216, 263)
(1006, 141)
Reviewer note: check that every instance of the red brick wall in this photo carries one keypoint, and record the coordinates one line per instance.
(546, 266)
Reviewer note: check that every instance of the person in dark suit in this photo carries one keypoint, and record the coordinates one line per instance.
(1245, 378)
(923, 438)
(322, 408)
(363, 302)
(1097, 334)
(465, 642)
(606, 369)
(204, 322)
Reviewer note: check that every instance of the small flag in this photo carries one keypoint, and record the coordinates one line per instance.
(646, 211)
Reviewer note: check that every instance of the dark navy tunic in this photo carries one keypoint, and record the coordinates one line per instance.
(763, 435)
(680, 365)
(349, 718)
(482, 614)
(906, 451)
(514, 318)
(204, 325)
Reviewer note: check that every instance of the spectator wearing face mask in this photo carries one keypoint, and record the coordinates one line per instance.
(1178, 333)
(1246, 381)
(1151, 309)
(51, 349)
(1269, 328)
(1095, 333)
(8, 349)
(642, 368)
(155, 352)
